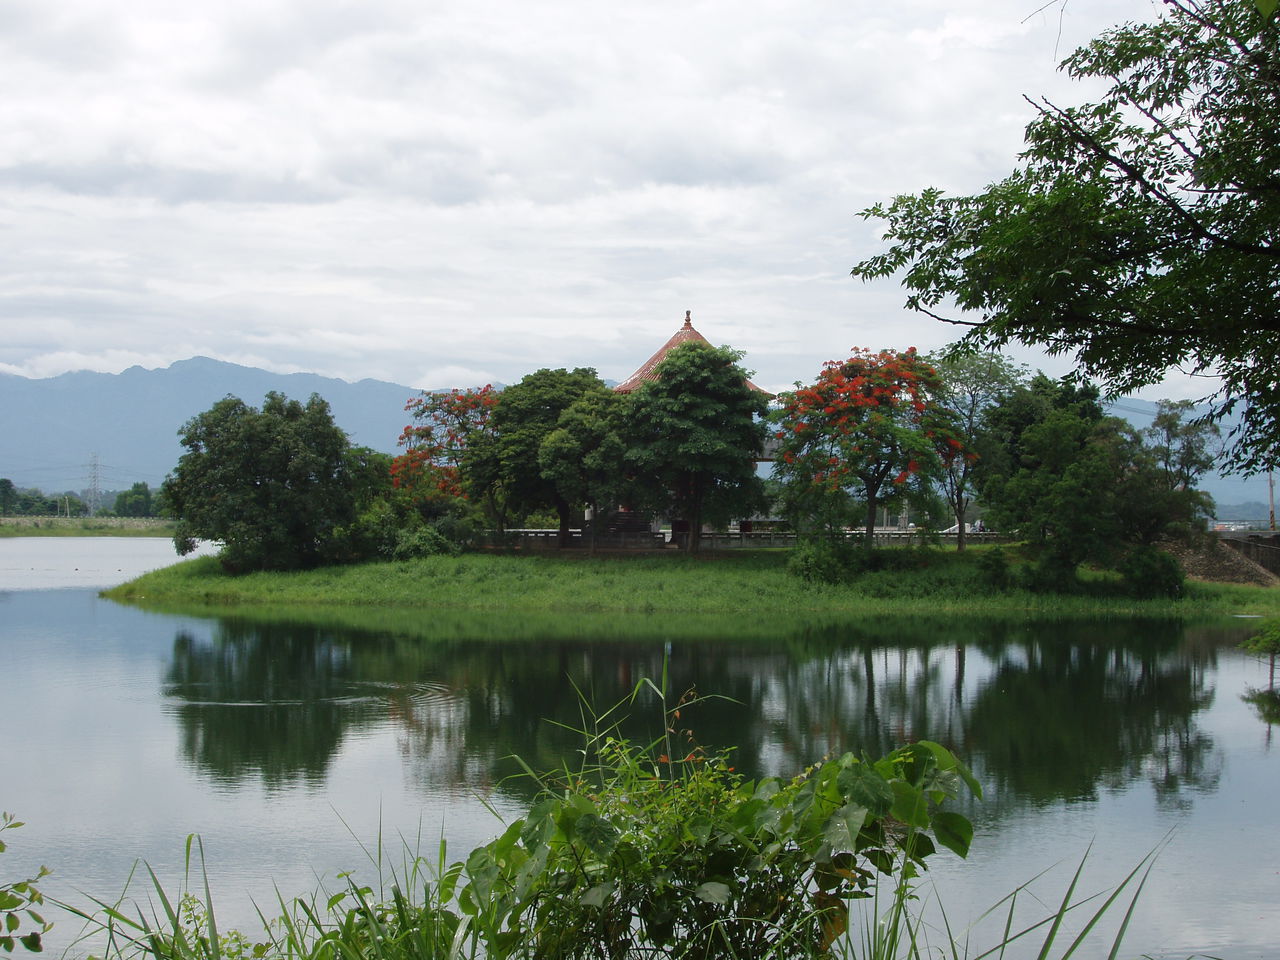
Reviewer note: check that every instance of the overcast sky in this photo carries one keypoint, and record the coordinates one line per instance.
(445, 193)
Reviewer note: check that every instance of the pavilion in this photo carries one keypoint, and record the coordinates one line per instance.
(649, 369)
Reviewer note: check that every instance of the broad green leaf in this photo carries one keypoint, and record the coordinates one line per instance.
(841, 830)
(597, 895)
(861, 784)
(713, 892)
(910, 805)
(597, 834)
(953, 831)
(1267, 7)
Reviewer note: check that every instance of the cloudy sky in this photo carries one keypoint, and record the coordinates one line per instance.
(437, 193)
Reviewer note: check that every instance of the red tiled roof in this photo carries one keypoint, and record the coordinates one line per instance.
(648, 370)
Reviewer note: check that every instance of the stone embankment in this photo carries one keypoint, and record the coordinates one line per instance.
(1216, 562)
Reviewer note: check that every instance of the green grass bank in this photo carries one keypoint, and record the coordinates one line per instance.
(86, 527)
(750, 587)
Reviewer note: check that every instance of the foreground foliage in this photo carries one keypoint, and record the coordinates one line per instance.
(21, 924)
(634, 853)
(638, 853)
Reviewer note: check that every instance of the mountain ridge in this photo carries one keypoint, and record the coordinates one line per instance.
(51, 428)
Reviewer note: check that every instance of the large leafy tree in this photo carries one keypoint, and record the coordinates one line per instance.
(272, 484)
(861, 433)
(695, 432)
(1140, 232)
(525, 415)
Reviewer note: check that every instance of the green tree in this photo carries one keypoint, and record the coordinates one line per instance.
(1140, 232)
(584, 456)
(525, 415)
(8, 496)
(865, 428)
(1185, 449)
(272, 484)
(134, 502)
(1081, 486)
(972, 384)
(694, 434)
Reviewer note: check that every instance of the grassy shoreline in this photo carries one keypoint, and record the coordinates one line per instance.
(752, 587)
(86, 527)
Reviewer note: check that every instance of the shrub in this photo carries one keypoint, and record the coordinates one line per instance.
(824, 561)
(993, 569)
(646, 855)
(1148, 573)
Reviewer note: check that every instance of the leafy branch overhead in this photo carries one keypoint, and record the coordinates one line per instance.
(1140, 231)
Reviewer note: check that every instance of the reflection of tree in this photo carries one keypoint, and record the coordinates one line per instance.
(1042, 713)
(1060, 720)
(1266, 703)
(268, 701)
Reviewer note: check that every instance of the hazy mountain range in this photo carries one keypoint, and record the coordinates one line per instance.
(51, 430)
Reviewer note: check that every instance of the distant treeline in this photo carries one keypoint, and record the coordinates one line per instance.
(138, 501)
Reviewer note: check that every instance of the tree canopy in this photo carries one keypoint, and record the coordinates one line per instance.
(861, 433)
(525, 415)
(1140, 231)
(272, 484)
(694, 433)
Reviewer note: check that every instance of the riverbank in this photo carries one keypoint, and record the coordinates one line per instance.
(745, 586)
(86, 527)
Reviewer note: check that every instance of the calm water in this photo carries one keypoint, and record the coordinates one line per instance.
(288, 747)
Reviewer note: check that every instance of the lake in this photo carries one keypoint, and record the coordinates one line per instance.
(290, 748)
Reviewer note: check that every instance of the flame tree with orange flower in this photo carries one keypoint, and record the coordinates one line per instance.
(446, 425)
(868, 431)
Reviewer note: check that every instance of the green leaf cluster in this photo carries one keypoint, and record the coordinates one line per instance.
(649, 854)
(21, 923)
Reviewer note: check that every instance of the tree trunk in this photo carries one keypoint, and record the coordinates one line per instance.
(959, 511)
(695, 516)
(869, 534)
(562, 511)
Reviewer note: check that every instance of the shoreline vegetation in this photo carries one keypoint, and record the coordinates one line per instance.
(752, 587)
(86, 527)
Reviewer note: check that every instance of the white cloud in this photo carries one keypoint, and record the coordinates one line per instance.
(391, 189)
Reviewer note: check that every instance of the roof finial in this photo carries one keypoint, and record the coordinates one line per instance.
(687, 321)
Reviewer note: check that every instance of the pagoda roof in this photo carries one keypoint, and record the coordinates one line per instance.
(649, 369)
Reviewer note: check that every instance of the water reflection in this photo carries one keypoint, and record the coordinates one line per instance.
(1043, 713)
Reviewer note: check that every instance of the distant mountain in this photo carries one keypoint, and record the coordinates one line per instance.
(50, 429)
